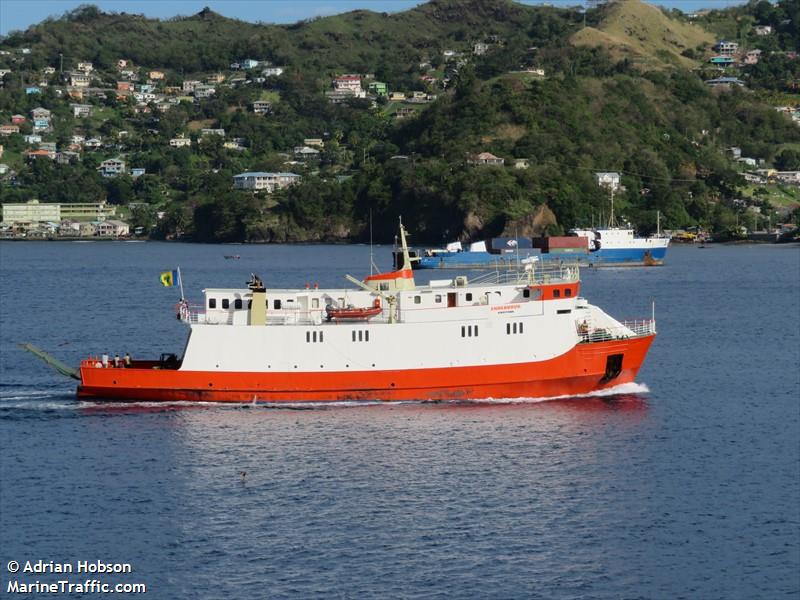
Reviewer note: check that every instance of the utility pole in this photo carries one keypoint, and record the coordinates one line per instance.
(60, 63)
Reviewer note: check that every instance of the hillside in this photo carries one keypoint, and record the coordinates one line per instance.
(643, 34)
(370, 113)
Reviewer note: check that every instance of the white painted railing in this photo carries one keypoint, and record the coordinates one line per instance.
(626, 330)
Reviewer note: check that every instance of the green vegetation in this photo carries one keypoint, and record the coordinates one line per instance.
(622, 94)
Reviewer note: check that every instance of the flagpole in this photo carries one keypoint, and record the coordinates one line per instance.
(180, 283)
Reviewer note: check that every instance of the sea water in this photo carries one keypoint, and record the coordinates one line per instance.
(685, 484)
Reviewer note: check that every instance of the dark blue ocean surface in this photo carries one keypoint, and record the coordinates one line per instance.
(685, 485)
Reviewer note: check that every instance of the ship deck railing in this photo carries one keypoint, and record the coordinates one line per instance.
(287, 316)
(530, 274)
(630, 329)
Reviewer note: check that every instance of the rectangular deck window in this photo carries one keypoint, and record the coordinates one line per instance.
(226, 303)
(237, 304)
(212, 303)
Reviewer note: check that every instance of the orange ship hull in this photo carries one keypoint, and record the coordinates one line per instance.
(585, 368)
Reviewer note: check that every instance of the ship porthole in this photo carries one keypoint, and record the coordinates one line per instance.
(210, 385)
(114, 382)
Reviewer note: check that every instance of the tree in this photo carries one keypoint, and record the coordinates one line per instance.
(788, 160)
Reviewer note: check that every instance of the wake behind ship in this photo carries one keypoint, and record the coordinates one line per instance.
(525, 333)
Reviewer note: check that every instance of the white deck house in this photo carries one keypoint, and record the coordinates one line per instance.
(270, 182)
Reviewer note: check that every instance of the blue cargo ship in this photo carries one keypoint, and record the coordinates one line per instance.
(609, 247)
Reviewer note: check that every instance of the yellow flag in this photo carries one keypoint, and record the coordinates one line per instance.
(168, 278)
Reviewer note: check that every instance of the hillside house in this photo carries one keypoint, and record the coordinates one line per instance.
(79, 80)
(348, 82)
(18, 119)
(85, 67)
(404, 112)
(726, 47)
(180, 142)
(608, 179)
(204, 91)
(33, 138)
(93, 143)
(122, 63)
(124, 86)
(31, 155)
(397, 96)
(236, 144)
(156, 75)
(486, 158)
(735, 152)
(111, 228)
(522, 163)
(129, 75)
(262, 107)
(33, 89)
(190, 84)
(215, 79)
(273, 71)
(721, 60)
(248, 63)
(306, 152)
(86, 229)
(6, 130)
(752, 57)
(49, 70)
(316, 142)
(378, 88)
(4, 72)
(480, 48)
(725, 82)
(41, 124)
(340, 96)
(209, 131)
(260, 181)
(112, 167)
(137, 172)
(81, 111)
(762, 30)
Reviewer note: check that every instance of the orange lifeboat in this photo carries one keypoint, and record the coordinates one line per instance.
(351, 313)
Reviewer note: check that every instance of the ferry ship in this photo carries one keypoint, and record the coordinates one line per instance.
(508, 334)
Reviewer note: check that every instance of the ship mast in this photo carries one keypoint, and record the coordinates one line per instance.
(404, 245)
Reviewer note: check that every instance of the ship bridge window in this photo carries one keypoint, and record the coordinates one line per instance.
(212, 303)
(237, 304)
(526, 293)
(568, 292)
(314, 336)
(226, 303)
(438, 299)
(276, 304)
(417, 299)
(556, 293)
(469, 297)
